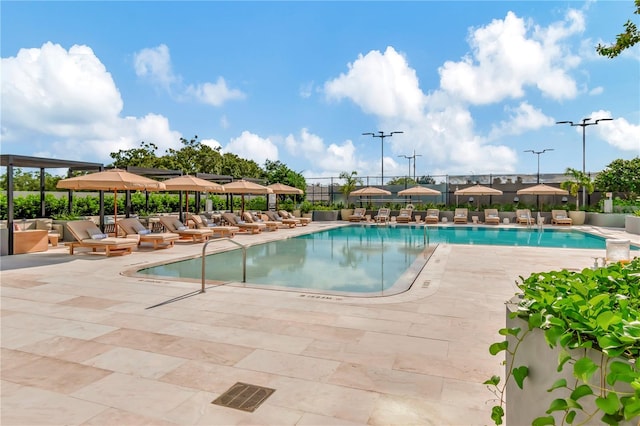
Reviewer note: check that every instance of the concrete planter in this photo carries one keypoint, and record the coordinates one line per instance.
(632, 224)
(345, 213)
(578, 217)
(325, 215)
(609, 220)
(524, 405)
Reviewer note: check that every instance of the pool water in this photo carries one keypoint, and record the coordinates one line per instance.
(358, 260)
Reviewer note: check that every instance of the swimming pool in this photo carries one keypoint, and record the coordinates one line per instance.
(358, 259)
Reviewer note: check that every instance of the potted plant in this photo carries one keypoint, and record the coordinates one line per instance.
(350, 182)
(576, 181)
(572, 344)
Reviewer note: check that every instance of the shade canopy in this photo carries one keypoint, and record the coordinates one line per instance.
(191, 183)
(246, 187)
(542, 189)
(418, 190)
(369, 191)
(111, 180)
(478, 190)
(243, 187)
(281, 188)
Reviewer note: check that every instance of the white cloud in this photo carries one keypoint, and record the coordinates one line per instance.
(66, 105)
(252, 147)
(507, 57)
(211, 142)
(155, 64)
(523, 118)
(619, 132)
(214, 94)
(381, 84)
(327, 160)
(596, 91)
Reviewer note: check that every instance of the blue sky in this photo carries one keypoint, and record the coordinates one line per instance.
(471, 84)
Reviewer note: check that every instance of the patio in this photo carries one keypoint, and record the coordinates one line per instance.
(80, 346)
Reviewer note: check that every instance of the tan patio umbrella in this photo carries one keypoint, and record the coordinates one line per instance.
(111, 180)
(243, 187)
(478, 190)
(542, 189)
(281, 188)
(191, 183)
(417, 191)
(369, 191)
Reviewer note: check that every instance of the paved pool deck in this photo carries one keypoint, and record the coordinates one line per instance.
(80, 346)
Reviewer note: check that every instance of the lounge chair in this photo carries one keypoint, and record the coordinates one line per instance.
(282, 222)
(383, 215)
(433, 216)
(88, 235)
(404, 216)
(524, 217)
(269, 225)
(252, 228)
(133, 228)
(461, 215)
(491, 217)
(173, 224)
(302, 221)
(202, 222)
(359, 214)
(560, 217)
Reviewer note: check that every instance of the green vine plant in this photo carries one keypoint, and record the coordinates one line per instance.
(579, 311)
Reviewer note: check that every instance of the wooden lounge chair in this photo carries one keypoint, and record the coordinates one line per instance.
(491, 217)
(560, 217)
(383, 215)
(282, 222)
(461, 215)
(202, 222)
(173, 224)
(433, 216)
(359, 214)
(302, 221)
(269, 225)
(133, 228)
(524, 217)
(88, 235)
(251, 228)
(404, 216)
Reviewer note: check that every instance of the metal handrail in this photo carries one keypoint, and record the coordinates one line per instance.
(244, 258)
(425, 236)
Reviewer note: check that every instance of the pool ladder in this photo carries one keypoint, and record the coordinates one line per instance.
(244, 259)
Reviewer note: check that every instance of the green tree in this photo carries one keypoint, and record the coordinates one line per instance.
(577, 179)
(29, 181)
(625, 40)
(402, 181)
(351, 180)
(145, 156)
(423, 180)
(622, 176)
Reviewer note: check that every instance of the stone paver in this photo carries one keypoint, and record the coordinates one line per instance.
(82, 345)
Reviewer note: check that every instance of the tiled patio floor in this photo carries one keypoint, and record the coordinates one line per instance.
(80, 346)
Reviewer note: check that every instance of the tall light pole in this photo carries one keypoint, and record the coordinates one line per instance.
(538, 154)
(585, 122)
(381, 135)
(412, 157)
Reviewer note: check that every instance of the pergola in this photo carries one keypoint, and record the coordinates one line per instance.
(10, 161)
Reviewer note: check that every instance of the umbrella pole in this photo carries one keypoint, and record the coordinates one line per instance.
(115, 211)
(187, 198)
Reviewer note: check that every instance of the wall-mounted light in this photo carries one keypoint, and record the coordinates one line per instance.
(564, 199)
(516, 199)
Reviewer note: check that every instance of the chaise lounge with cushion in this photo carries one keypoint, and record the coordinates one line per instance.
(524, 217)
(433, 216)
(491, 217)
(359, 214)
(383, 215)
(560, 217)
(303, 221)
(268, 225)
(404, 216)
(88, 235)
(282, 222)
(461, 215)
(203, 222)
(233, 220)
(173, 224)
(133, 228)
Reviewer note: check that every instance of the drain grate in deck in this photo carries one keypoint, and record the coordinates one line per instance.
(243, 396)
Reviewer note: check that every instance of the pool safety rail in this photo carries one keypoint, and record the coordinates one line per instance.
(244, 259)
(425, 236)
